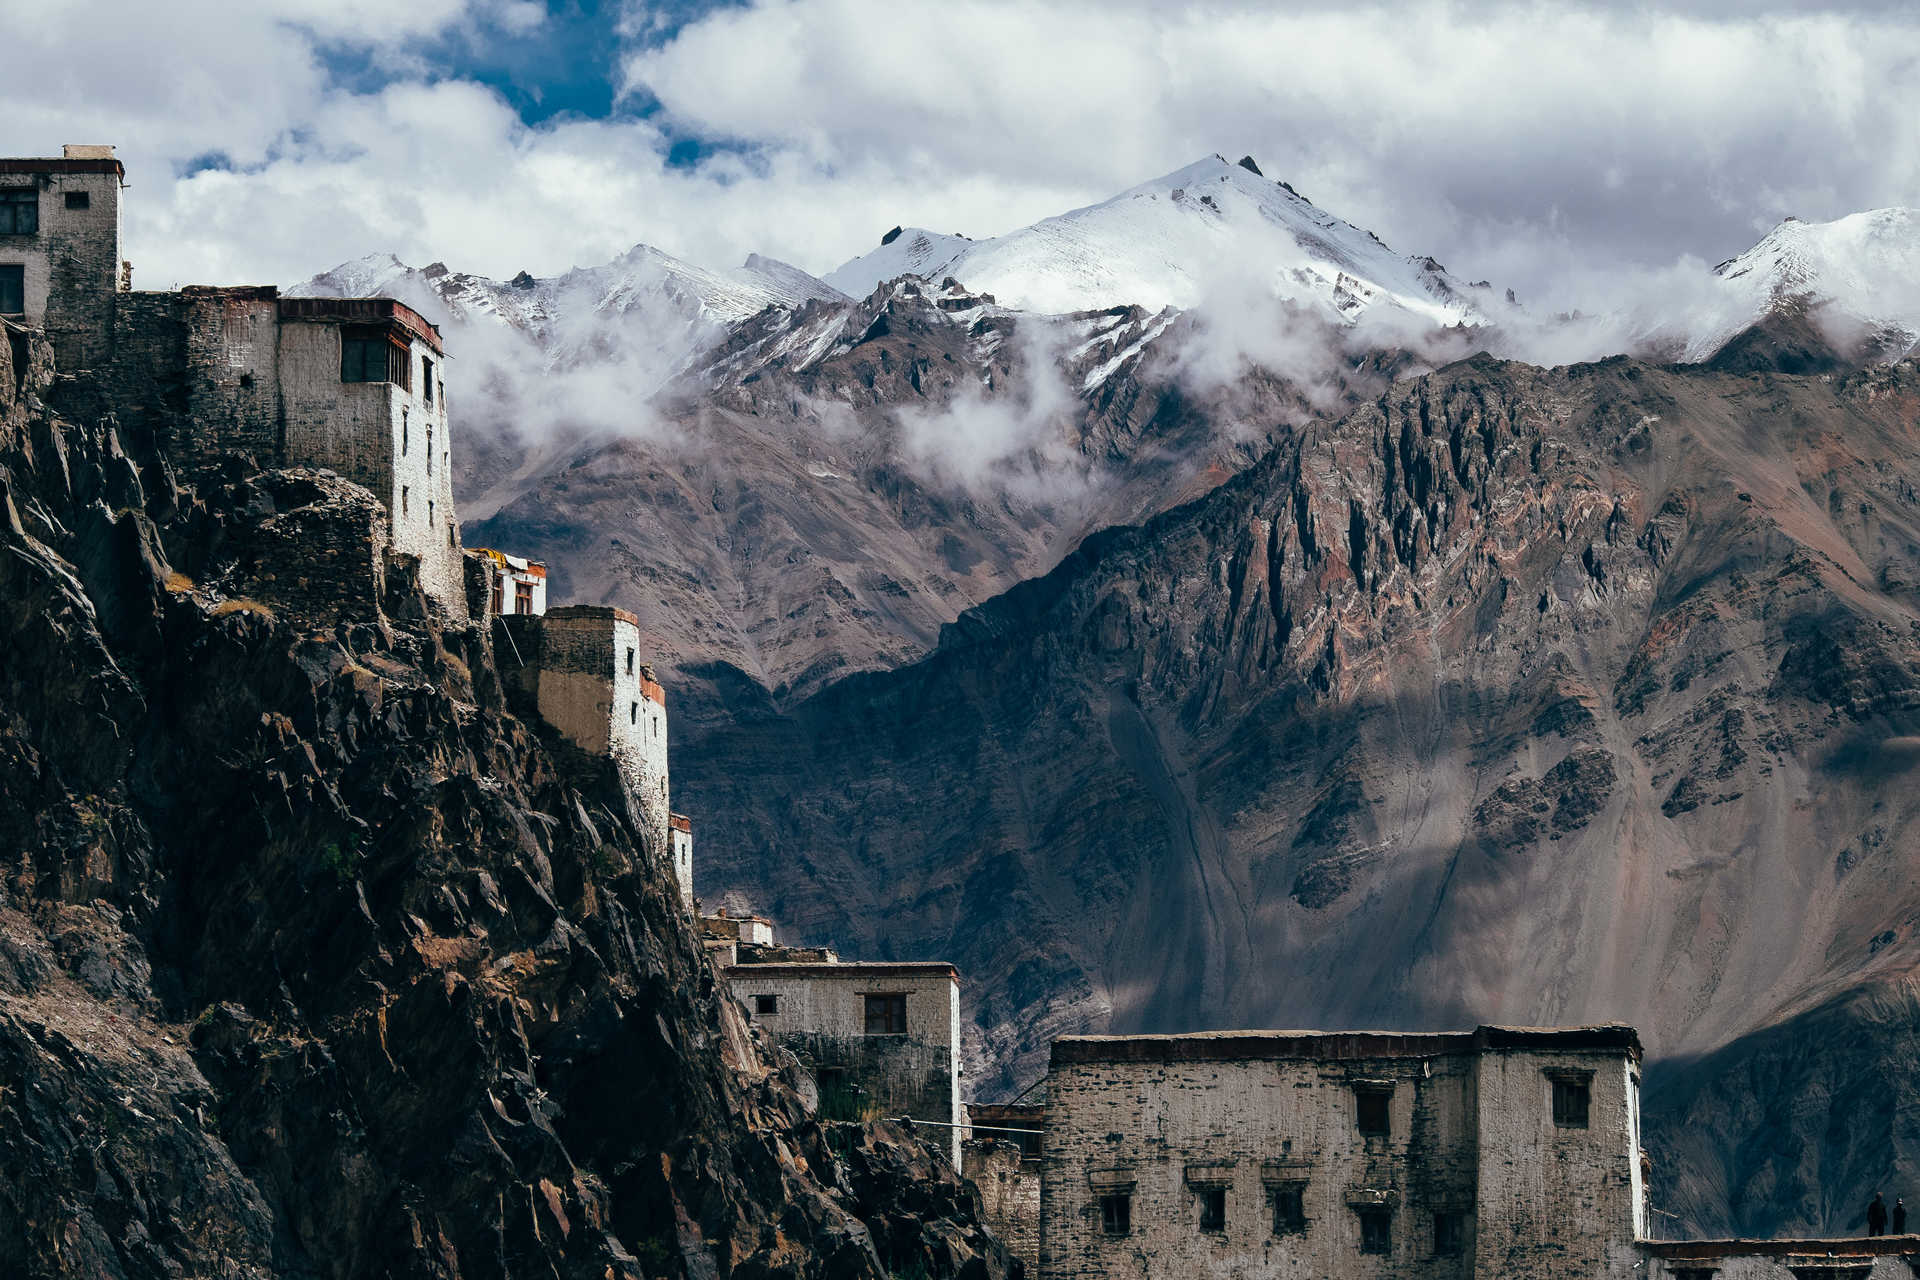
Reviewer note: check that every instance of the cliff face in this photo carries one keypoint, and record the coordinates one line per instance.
(313, 963)
(1516, 695)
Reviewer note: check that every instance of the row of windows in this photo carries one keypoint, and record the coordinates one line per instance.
(377, 357)
(1287, 1203)
(885, 1012)
(20, 209)
(1572, 1102)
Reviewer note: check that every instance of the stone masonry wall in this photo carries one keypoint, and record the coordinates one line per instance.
(1166, 1130)
(1009, 1186)
(1557, 1202)
(232, 380)
(821, 1018)
(72, 265)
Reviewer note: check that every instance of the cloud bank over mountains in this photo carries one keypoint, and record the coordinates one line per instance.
(1528, 144)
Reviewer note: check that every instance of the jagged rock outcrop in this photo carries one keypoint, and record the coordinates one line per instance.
(312, 961)
(1516, 695)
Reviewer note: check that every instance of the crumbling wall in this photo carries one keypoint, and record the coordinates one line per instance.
(1009, 1186)
(231, 371)
(313, 554)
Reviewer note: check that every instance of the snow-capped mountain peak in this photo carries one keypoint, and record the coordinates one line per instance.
(1864, 267)
(1175, 241)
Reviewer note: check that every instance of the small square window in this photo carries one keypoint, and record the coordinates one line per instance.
(1449, 1235)
(1213, 1208)
(1116, 1215)
(886, 1015)
(1572, 1099)
(363, 357)
(1371, 1112)
(19, 211)
(764, 1005)
(1376, 1230)
(79, 200)
(1289, 1208)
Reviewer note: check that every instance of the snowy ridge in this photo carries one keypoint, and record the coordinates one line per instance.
(1173, 242)
(1864, 268)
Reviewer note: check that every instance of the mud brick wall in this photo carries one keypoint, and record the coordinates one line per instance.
(1009, 1195)
(317, 558)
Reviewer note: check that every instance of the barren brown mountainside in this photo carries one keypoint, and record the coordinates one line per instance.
(315, 961)
(1516, 695)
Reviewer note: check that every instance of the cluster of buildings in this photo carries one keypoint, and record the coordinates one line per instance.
(1500, 1152)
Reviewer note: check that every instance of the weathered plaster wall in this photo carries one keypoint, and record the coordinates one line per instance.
(822, 1020)
(1171, 1128)
(72, 265)
(1557, 1201)
(1009, 1195)
(680, 830)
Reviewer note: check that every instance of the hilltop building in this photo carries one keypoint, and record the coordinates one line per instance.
(878, 1039)
(60, 264)
(513, 584)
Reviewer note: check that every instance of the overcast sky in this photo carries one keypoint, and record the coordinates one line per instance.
(1537, 145)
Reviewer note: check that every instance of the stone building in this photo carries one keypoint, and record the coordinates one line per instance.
(879, 1039)
(578, 668)
(680, 834)
(353, 385)
(1002, 1157)
(60, 264)
(514, 584)
(1499, 1152)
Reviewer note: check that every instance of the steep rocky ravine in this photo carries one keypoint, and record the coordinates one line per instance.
(314, 962)
(1519, 695)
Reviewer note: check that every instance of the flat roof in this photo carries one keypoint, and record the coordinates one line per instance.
(847, 969)
(1812, 1250)
(1230, 1046)
(364, 311)
(61, 164)
(592, 612)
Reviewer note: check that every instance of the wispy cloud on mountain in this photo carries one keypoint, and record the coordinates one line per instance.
(1521, 143)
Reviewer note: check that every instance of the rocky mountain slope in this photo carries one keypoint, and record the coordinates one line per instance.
(316, 962)
(1514, 695)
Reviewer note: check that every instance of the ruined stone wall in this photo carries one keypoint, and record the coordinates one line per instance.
(231, 372)
(1009, 1186)
(821, 1018)
(1166, 1132)
(1557, 1201)
(72, 264)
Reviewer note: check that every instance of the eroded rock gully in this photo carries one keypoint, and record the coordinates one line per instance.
(312, 963)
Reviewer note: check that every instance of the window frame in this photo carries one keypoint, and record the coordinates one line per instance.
(77, 200)
(766, 1005)
(1109, 1202)
(1376, 1229)
(426, 380)
(1570, 1099)
(1367, 1097)
(1449, 1233)
(1288, 1203)
(892, 1013)
(523, 594)
(18, 216)
(1213, 1206)
(17, 271)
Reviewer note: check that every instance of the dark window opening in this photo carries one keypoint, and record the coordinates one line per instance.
(426, 379)
(363, 359)
(450, 539)
(406, 433)
(1695, 1273)
(430, 521)
(523, 597)
(886, 1014)
(766, 1004)
(1289, 1208)
(1371, 1114)
(629, 662)
(13, 291)
(1213, 1208)
(1571, 1101)
(19, 211)
(1376, 1230)
(1116, 1215)
(429, 448)
(633, 713)
(406, 502)
(1449, 1235)
(497, 597)
(79, 200)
